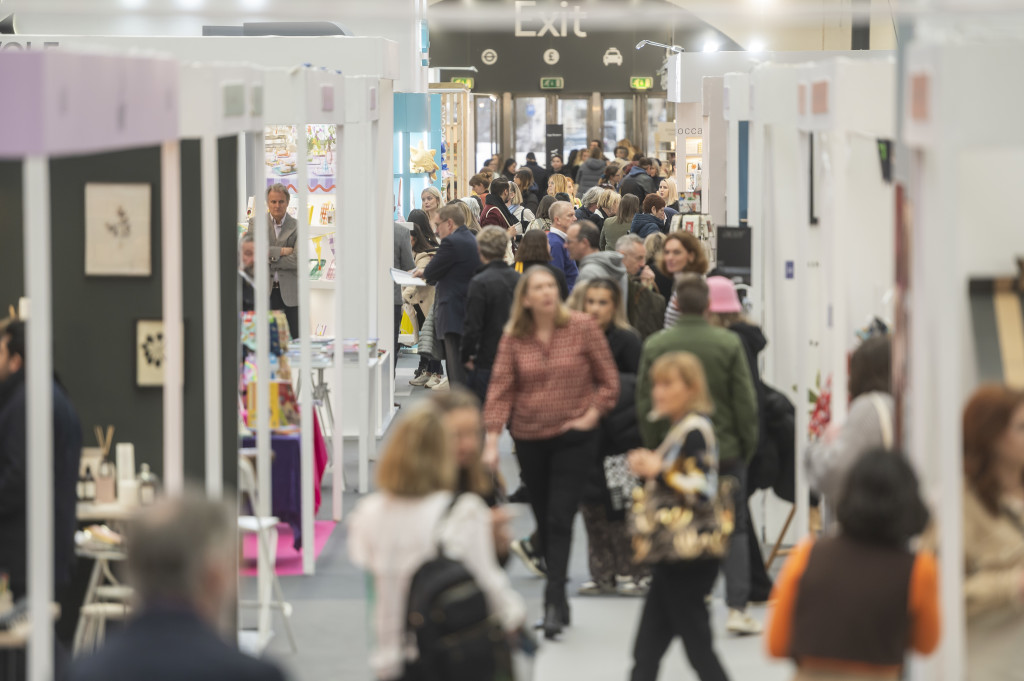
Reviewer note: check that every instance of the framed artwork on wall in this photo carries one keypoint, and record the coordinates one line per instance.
(150, 356)
(118, 230)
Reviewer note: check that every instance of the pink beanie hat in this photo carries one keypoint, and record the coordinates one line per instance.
(722, 298)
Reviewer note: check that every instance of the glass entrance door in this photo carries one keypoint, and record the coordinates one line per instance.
(618, 122)
(572, 115)
(487, 130)
(530, 127)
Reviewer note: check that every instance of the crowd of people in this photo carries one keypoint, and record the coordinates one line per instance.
(597, 336)
(628, 378)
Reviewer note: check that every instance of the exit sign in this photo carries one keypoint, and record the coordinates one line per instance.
(462, 80)
(641, 83)
(552, 83)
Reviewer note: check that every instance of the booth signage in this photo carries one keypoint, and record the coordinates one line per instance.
(464, 80)
(554, 83)
(641, 83)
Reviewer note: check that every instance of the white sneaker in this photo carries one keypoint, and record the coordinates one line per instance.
(422, 378)
(742, 624)
(440, 385)
(432, 380)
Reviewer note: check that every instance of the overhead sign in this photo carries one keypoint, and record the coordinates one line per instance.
(555, 83)
(641, 83)
(464, 80)
(530, 40)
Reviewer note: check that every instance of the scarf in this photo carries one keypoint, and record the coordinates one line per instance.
(496, 201)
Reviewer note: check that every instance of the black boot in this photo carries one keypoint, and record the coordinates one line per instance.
(566, 615)
(552, 621)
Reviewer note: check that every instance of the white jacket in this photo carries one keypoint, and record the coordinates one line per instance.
(391, 537)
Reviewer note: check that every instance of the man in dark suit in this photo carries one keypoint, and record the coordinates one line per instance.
(487, 309)
(454, 264)
(540, 174)
(181, 563)
(67, 448)
(282, 230)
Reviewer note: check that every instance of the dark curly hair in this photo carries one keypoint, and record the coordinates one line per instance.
(881, 504)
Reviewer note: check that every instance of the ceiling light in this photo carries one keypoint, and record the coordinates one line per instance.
(755, 45)
(711, 46)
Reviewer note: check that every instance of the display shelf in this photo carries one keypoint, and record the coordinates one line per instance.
(454, 134)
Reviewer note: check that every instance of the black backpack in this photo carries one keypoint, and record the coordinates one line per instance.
(450, 622)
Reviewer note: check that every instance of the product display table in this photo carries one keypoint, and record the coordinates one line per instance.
(95, 513)
(286, 483)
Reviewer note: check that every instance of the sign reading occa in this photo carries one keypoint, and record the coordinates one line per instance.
(689, 131)
(555, 24)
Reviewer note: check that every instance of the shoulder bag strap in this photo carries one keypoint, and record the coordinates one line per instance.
(884, 420)
(441, 521)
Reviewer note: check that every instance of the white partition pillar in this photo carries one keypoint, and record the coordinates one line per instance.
(174, 337)
(300, 89)
(212, 392)
(39, 425)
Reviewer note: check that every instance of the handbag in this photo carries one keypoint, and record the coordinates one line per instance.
(620, 481)
(669, 526)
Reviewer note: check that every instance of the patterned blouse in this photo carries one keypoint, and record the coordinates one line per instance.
(537, 388)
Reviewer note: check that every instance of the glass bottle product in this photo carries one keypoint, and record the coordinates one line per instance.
(148, 485)
(88, 486)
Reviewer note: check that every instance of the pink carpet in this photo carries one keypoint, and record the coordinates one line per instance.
(289, 561)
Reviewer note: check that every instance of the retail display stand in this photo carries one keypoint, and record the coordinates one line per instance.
(301, 97)
(216, 101)
(61, 104)
(454, 105)
(412, 132)
(961, 126)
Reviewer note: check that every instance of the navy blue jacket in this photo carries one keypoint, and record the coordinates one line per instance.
(645, 224)
(454, 264)
(67, 448)
(170, 645)
(561, 259)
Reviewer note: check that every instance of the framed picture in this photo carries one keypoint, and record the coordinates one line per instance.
(150, 356)
(117, 230)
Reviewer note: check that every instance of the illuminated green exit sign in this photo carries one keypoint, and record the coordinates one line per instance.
(641, 83)
(552, 83)
(463, 80)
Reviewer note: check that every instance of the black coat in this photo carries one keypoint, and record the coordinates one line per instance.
(761, 473)
(67, 449)
(632, 185)
(663, 282)
(619, 429)
(531, 202)
(454, 264)
(487, 309)
(584, 214)
(563, 285)
(170, 645)
(540, 176)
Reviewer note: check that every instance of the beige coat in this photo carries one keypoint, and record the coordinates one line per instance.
(420, 295)
(994, 590)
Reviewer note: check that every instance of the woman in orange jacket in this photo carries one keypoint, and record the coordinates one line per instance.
(848, 607)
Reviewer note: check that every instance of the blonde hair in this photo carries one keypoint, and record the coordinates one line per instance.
(520, 321)
(673, 191)
(654, 244)
(516, 194)
(417, 459)
(559, 183)
(468, 216)
(688, 367)
(478, 476)
(608, 199)
(435, 192)
(578, 299)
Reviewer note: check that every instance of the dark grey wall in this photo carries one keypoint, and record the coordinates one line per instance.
(94, 317)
